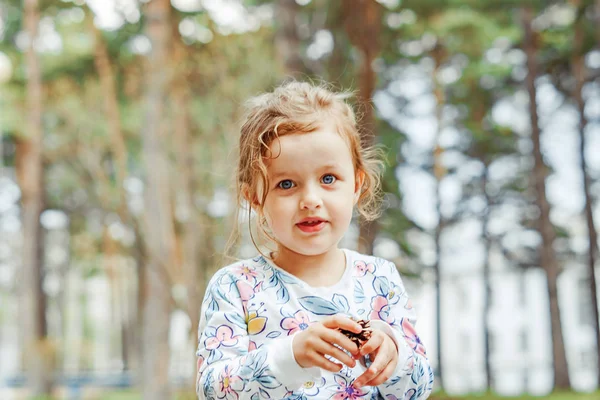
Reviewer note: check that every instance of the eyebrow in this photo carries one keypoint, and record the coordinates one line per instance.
(327, 166)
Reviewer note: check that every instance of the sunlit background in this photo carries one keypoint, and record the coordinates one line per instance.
(118, 126)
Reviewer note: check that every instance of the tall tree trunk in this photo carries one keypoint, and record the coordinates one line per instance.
(113, 116)
(438, 172)
(363, 22)
(140, 255)
(545, 227)
(487, 287)
(159, 231)
(114, 278)
(38, 352)
(579, 71)
(525, 368)
(188, 231)
(118, 150)
(287, 41)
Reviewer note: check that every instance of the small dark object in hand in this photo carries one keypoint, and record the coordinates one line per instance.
(359, 338)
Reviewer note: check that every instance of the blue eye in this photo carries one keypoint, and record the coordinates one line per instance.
(285, 184)
(328, 179)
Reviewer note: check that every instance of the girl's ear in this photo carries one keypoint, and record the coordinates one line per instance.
(359, 181)
(245, 192)
(252, 199)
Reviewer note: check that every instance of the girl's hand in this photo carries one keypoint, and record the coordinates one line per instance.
(311, 345)
(384, 355)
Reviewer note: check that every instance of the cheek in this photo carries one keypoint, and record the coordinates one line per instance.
(277, 208)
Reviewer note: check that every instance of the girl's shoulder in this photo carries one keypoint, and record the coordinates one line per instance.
(250, 270)
(364, 263)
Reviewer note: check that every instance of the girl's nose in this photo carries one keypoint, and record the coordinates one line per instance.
(310, 200)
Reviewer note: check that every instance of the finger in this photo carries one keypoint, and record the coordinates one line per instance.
(384, 375)
(343, 322)
(319, 360)
(372, 344)
(336, 337)
(327, 348)
(379, 364)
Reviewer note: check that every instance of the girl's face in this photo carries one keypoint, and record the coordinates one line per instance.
(313, 190)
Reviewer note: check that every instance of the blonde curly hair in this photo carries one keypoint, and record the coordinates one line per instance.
(296, 108)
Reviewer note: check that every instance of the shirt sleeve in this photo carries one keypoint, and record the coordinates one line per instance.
(413, 377)
(229, 365)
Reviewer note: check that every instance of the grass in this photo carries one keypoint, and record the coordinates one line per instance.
(491, 396)
(133, 395)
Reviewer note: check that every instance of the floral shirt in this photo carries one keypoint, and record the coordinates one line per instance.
(252, 309)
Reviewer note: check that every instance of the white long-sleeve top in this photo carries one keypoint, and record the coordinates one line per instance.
(252, 309)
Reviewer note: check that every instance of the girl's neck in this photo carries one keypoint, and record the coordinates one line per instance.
(318, 270)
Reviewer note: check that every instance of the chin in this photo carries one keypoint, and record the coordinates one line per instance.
(313, 250)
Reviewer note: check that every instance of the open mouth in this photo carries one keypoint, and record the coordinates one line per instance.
(311, 225)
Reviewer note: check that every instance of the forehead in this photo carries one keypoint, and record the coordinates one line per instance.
(308, 151)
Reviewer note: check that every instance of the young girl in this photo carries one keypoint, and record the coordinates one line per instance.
(271, 326)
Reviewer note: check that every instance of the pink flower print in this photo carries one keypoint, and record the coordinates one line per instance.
(345, 391)
(299, 323)
(380, 309)
(395, 293)
(246, 272)
(411, 337)
(252, 346)
(312, 388)
(223, 337)
(229, 383)
(198, 375)
(361, 268)
(410, 394)
(247, 291)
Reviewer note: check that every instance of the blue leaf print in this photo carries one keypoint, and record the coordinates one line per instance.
(361, 311)
(213, 305)
(215, 355)
(381, 286)
(259, 359)
(223, 297)
(418, 373)
(282, 295)
(268, 381)
(254, 396)
(375, 394)
(318, 306)
(210, 331)
(209, 391)
(264, 393)
(236, 319)
(359, 292)
(341, 302)
(273, 335)
(393, 381)
(273, 281)
(287, 279)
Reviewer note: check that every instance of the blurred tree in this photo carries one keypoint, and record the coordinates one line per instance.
(287, 41)
(581, 44)
(362, 22)
(548, 258)
(482, 140)
(158, 223)
(38, 350)
(116, 194)
(191, 233)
